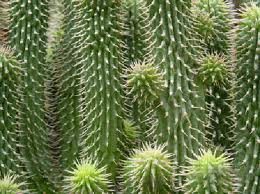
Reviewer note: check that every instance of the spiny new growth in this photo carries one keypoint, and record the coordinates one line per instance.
(10, 78)
(9, 184)
(213, 24)
(247, 98)
(214, 74)
(88, 178)
(131, 134)
(209, 173)
(148, 170)
(145, 83)
(213, 70)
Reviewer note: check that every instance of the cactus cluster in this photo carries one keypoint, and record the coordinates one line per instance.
(129, 96)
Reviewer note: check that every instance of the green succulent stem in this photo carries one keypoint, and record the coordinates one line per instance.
(138, 50)
(10, 79)
(102, 62)
(213, 23)
(29, 22)
(181, 124)
(247, 106)
(65, 61)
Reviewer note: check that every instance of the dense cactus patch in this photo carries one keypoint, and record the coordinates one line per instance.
(129, 96)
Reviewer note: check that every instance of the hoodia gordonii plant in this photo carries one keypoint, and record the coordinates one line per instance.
(124, 97)
(215, 76)
(28, 39)
(102, 65)
(181, 125)
(209, 173)
(247, 107)
(148, 170)
(10, 78)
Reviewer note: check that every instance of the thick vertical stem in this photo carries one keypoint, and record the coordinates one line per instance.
(102, 54)
(28, 38)
(181, 125)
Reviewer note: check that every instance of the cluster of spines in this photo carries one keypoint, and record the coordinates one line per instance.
(10, 78)
(10, 184)
(247, 99)
(209, 173)
(29, 22)
(87, 177)
(148, 170)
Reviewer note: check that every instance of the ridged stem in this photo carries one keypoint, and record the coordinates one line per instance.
(28, 38)
(102, 64)
(247, 96)
(181, 124)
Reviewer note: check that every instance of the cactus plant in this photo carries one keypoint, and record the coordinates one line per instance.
(148, 170)
(103, 67)
(87, 178)
(247, 106)
(28, 39)
(213, 23)
(180, 125)
(209, 173)
(10, 77)
(145, 84)
(122, 95)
